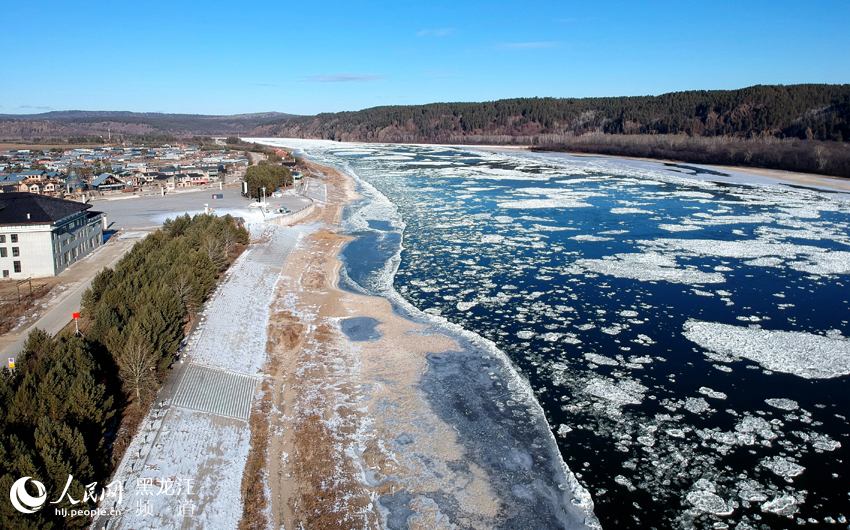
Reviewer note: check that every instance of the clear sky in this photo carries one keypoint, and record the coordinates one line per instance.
(313, 56)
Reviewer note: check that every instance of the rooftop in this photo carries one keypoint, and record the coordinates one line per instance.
(14, 208)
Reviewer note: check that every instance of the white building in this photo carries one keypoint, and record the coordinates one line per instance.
(41, 236)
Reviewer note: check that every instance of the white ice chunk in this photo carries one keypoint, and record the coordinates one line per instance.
(793, 352)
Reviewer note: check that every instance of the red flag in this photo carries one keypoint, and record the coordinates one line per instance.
(75, 315)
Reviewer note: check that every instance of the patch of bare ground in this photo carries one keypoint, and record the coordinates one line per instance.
(335, 408)
(285, 333)
(19, 300)
(254, 497)
(324, 489)
(131, 419)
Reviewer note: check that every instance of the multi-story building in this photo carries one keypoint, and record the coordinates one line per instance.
(41, 236)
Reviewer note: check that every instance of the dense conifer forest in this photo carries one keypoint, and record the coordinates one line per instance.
(73, 402)
(820, 112)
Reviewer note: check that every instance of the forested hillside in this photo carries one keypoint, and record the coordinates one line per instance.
(820, 112)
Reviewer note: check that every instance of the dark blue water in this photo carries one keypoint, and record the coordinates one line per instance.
(360, 328)
(661, 430)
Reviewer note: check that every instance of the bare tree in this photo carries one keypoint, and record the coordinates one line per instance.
(136, 366)
(821, 158)
(182, 286)
(228, 242)
(215, 251)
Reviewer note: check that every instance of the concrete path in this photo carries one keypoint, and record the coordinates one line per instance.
(198, 433)
(76, 279)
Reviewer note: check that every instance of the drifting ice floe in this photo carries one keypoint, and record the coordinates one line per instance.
(560, 202)
(696, 405)
(714, 394)
(783, 467)
(704, 498)
(628, 210)
(647, 267)
(802, 354)
(781, 505)
(782, 403)
(590, 237)
(814, 260)
(679, 228)
(601, 360)
(617, 393)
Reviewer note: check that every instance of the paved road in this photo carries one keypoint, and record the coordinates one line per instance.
(79, 276)
(316, 190)
(136, 216)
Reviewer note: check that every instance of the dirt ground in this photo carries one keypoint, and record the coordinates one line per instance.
(333, 407)
(18, 299)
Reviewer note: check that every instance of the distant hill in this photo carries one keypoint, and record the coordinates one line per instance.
(86, 124)
(794, 127)
(820, 112)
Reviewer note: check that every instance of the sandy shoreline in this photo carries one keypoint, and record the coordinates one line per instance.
(347, 425)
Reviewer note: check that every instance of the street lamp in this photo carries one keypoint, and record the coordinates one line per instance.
(263, 201)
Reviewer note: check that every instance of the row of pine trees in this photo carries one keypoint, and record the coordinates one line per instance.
(73, 401)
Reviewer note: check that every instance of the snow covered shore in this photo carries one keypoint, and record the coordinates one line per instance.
(184, 467)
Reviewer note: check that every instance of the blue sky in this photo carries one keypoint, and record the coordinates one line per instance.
(308, 57)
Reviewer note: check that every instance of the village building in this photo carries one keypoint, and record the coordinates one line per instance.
(41, 236)
(107, 182)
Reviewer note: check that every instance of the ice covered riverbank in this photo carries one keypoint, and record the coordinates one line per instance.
(585, 273)
(418, 425)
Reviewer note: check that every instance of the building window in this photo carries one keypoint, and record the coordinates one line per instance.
(17, 266)
(5, 273)
(3, 252)
(13, 238)
(16, 251)
(2, 238)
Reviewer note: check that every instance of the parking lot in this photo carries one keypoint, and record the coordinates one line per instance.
(146, 212)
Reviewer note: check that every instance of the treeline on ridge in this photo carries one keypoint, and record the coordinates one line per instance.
(73, 402)
(820, 112)
(789, 154)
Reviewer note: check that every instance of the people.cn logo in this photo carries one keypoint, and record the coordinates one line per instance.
(22, 500)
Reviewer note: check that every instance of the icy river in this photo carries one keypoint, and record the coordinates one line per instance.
(684, 333)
